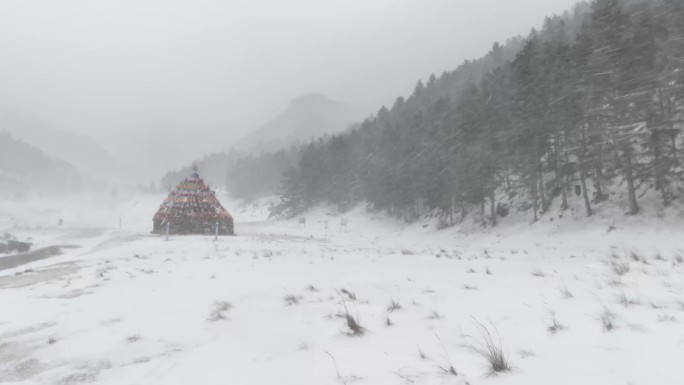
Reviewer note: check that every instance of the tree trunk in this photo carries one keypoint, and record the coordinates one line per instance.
(673, 141)
(560, 178)
(598, 158)
(598, 177)
(629, 175)
(492, 202)
(482, 212)
(451, 212)
(659, 166)
(583, 172)
(585, 194)
(535, 202)
(542, 192)
(508, 179)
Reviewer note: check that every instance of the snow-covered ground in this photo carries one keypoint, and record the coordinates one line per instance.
(268, 305)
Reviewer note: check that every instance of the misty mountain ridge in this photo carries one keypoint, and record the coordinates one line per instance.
(81, 151)
(24, 167)
(307, 116)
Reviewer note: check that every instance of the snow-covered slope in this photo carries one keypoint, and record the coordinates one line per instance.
(268, 306)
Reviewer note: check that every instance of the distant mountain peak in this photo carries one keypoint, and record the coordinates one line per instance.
(306, 116)
(309, 99)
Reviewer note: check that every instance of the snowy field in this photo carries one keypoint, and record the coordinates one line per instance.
(569, 302)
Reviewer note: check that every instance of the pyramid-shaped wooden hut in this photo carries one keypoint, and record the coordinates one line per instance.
(192, 208)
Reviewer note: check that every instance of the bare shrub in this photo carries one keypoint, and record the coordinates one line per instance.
(133, 338)
(292, 299)
(491, 350)
(218, 311)
(312, 288)
(615, 281)
(393, 306)
(607, 318)
(626, 301)
(52, 340)
(620, 267)
(537, 273)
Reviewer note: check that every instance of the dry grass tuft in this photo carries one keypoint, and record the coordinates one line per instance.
(537, 273)
(620, 267)
(422, 354)
(555, 326)
(354, 325)
(626, 301)
(491, 350)
(291, 299)
(133, 338)
(664, 317)
(434, 315)
(607, 318)
(218, 311)
(349, 293)
(565, 292)
(393, 306)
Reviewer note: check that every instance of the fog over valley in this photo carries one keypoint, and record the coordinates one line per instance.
(328, 192)
(160, 83)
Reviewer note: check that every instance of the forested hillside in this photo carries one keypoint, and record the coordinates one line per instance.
(590, 105)
(254, 165)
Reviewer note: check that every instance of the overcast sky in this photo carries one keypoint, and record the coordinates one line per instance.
(97, 67)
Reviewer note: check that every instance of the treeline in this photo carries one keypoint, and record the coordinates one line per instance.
(591, 104)
(255, 176)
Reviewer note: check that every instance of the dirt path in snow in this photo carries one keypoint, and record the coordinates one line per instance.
(13, 261)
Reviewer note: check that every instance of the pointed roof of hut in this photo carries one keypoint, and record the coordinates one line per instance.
(192, 200)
